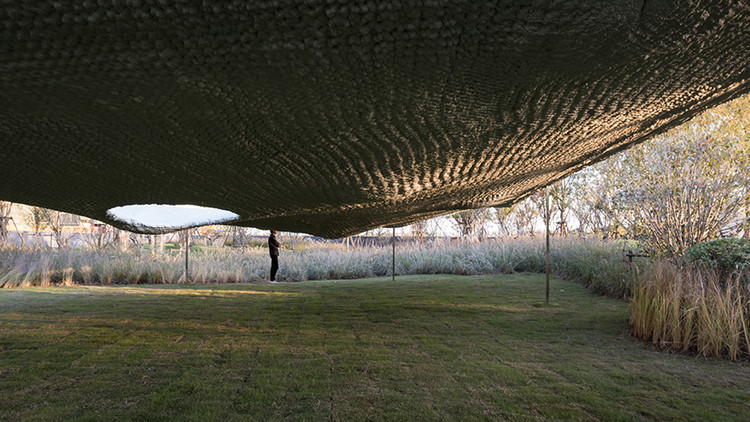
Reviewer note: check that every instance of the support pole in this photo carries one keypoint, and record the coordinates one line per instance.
(547, 218)
(187, 255)
(394, 254)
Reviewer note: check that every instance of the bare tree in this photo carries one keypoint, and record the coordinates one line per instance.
(581, 203)
(558, 197)
(56, 221)
(593, 194)
(524, 217)
(210, 234)
(485, 215)
(99, 235)
(503, 220)
(472, 223)
(419, 231)
(682, 188)
(561, 194)
(5, 209)
(36, 219)
(237, 237)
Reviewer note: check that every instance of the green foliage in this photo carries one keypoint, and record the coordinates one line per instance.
(725, 256)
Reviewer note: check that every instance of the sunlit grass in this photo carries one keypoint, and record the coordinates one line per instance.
(149, 290)
(427, 347)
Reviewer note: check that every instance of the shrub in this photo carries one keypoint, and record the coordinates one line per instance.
(725, 256)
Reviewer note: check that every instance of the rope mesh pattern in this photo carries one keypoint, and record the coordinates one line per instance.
(333, 117)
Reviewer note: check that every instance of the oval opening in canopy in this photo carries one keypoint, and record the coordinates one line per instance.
(174, 217)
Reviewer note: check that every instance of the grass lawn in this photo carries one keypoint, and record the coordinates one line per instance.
(423, 348)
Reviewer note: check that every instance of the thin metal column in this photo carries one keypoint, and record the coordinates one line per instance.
(548, 216)
(187, 255)
(394, 254)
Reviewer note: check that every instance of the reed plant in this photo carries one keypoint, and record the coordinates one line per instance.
(692, 309)
(595, 263)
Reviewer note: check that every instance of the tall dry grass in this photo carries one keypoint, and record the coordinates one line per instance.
(594, 263)
(689, 309)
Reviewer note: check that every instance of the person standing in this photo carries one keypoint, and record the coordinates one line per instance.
(273, 250)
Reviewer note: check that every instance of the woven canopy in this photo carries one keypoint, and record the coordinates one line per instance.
(333, 117)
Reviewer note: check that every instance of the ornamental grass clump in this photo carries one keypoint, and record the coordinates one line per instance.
(692, 309)
(26, 267)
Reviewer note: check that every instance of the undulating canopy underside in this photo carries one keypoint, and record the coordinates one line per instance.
(333, 117)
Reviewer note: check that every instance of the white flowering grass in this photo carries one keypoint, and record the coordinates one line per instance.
(595, 263)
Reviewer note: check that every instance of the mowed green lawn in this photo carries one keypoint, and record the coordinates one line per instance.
(423, 348)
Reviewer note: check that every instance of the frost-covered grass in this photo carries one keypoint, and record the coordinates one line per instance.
(595, 263)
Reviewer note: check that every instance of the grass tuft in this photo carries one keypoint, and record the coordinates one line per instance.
(692, 309)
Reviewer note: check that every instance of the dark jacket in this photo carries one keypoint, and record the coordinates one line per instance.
(273, 246)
